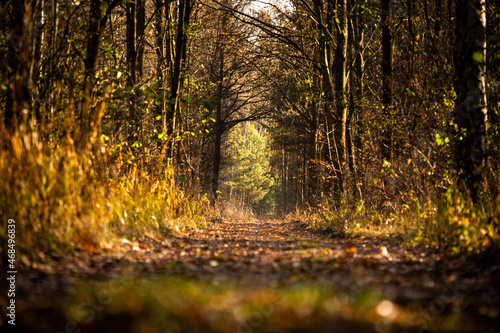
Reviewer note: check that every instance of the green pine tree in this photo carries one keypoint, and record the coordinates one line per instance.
(247, 172)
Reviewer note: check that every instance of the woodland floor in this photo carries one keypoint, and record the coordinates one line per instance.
(259, 276)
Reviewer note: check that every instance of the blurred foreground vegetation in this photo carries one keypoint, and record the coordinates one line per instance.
(184, 305)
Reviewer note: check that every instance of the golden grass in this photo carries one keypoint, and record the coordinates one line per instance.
(450, 223)
(60, 199)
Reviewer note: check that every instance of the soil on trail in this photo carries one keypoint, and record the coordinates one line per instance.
(357, 283)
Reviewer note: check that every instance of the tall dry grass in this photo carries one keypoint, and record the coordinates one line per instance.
(62, 198)
(450, 223)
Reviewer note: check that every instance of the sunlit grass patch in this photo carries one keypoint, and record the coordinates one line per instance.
(450, 223)
(461, 226)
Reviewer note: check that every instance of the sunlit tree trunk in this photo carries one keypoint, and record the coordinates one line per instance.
(470, 114)
(356, 90)
(340, 92)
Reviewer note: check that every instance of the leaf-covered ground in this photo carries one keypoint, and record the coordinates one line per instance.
(259, 276)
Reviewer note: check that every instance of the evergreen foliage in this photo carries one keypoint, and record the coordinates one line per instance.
(247, 169)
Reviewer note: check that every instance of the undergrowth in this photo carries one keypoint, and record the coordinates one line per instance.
(61, 199)
(450, 223)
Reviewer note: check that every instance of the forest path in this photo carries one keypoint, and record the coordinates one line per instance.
(421, 290)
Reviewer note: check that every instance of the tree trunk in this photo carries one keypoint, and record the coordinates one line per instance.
(36, 70)
(357, 90)
(20, 58)
(216, 165)
(411, 34)
(160, 22)
(340, 92)
(355, 59)
(218, 125)
(386, 80)
(184, 14)
(312, 158)
(97, 23)
(470, 114)
(131, 51)
(131, 12)
(139, 34)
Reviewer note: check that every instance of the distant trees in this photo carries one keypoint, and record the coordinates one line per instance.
(228, 69)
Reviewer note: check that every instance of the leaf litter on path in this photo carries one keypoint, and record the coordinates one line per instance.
(258, 276)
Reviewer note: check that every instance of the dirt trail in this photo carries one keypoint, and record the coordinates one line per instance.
(280, 253)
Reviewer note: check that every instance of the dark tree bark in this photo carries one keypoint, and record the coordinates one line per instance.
(161, 21)
(219, 130)
(19, 62)
(387, 79)
(332, 69)
(36, 69)
(97, 23)
(131, 25)
(135, 27)
(470, 115)
(184, 14)
(217, 156)
(325, 24)
(140, 42)
(312, 155)
(493, 75)
(131, 42)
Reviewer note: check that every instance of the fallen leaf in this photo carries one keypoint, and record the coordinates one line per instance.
(351, 250)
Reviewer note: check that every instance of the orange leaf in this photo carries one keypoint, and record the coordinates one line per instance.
(351, 250)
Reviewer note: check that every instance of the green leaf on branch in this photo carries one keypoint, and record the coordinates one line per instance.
(478, 57)
(210, 104)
